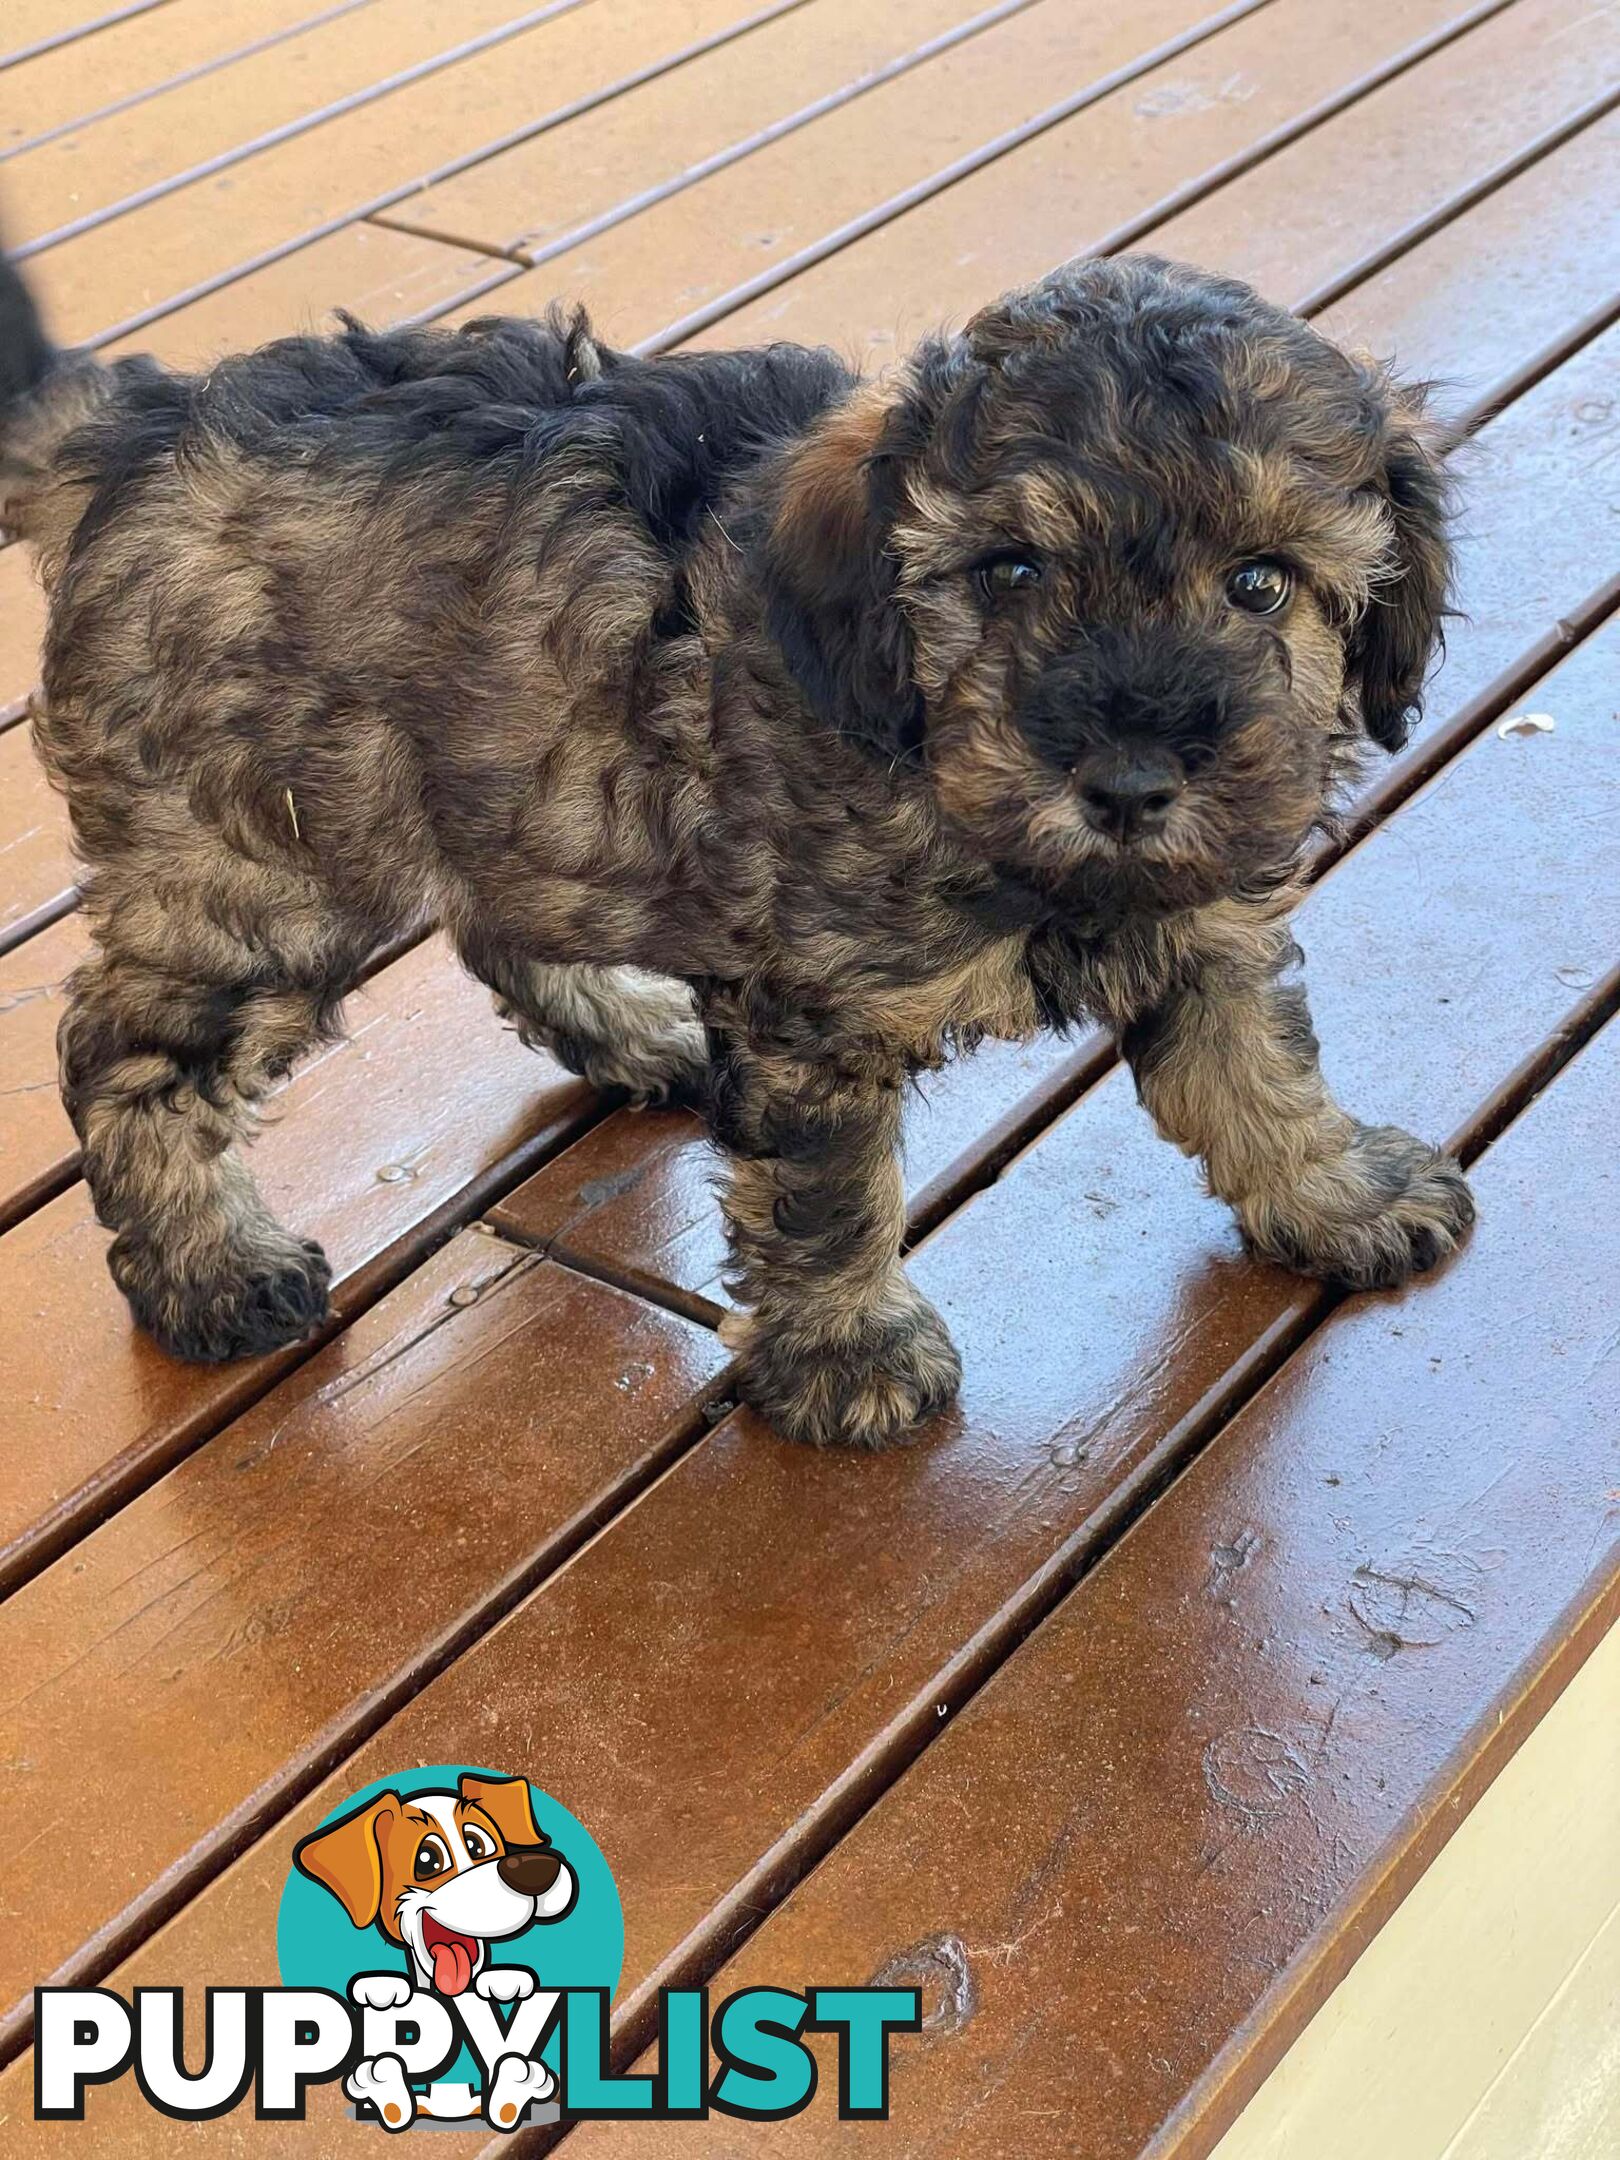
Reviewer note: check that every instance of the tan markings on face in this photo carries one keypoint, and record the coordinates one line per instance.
(823, 502)
(480, 1836)
(417, 1852)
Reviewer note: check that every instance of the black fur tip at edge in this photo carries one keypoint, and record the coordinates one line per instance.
(27, 355)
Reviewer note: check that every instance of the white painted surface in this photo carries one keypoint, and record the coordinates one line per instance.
(1483, 2022)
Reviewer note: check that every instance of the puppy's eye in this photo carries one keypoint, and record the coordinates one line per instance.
(1260, 587)
(1005, 574)
(478, 1846)
(432, 1858)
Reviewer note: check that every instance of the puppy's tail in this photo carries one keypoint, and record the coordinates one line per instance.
(27, 355)
(44, 392)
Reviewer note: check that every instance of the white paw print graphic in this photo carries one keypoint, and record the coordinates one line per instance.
(382, 2082)
(516, 2082)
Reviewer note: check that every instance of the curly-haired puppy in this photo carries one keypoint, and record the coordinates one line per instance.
(756, 732)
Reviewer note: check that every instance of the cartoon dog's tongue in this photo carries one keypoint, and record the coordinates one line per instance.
(452, 1957)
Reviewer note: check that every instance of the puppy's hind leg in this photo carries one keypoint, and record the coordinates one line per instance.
(173, 1032)
(615, 1026)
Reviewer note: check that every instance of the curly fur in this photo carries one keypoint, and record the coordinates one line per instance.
(678, 693)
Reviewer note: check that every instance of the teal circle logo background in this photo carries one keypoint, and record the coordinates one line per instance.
(317, 1945)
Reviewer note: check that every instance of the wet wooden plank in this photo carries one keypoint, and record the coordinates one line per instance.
(1218, 1767)
(322, 1557)
(37, 871)
(820, 1611)
(140, 57)
(634, 1202)
(293, 84)
(38, 1153)
(634, 1199)
(22, 623)
(530, 200)
(114, 277)
(378, 1146)
(33, 26)
(691, 248)
(1138, 151)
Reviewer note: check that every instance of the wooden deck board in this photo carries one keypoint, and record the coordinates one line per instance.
(376, 273)
(141, 58)
(363, 1152)
(33, 26)
(210, 125)
(482, 1417)
(1401, 152)
(1299, 1669)
(210, 229)
(1022, 213)
(22, 623)
(36, 862)
(529, 201)
(712, 1644)
(697, 251)
(38, 1151)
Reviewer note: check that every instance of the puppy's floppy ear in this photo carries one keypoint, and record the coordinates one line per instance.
(1393, 642)
(346, 1858)
(829, 581)
(507, 1803)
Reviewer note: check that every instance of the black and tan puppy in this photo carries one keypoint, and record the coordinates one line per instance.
(755, 732)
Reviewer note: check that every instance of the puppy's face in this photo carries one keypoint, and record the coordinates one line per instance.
(1128, 567)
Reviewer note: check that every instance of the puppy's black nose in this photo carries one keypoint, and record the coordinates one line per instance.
(529, 1869)
(1129, 794)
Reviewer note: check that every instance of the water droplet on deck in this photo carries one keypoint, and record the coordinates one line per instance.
(463, 1294)
(394, 1173)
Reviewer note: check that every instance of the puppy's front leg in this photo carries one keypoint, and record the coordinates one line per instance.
(838, 1348)
(1227, 1064)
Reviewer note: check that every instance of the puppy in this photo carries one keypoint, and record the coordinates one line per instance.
(761, 735)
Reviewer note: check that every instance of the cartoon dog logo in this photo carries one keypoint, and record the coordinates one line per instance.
(444, 1874)
(441, 1876)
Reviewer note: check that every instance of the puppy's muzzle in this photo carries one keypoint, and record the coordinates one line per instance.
(1129, 791)
(529, 1869)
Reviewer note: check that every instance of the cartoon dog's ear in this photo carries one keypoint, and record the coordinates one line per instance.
(829, 580)
(346, 1858)
(507, 1803)
(1395, 639)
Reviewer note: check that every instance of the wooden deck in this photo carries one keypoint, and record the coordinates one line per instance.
(1121, 1710)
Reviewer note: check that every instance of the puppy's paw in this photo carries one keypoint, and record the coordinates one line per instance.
(1385, 1210)
(864, 1386)
(505, 1983)
(238, 1299)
